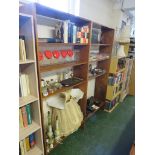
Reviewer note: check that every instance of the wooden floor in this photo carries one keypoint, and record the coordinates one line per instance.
(132, 151)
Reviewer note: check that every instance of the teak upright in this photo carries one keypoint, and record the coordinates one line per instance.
(45, 16)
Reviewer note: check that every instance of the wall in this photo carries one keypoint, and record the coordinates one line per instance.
(99, 11)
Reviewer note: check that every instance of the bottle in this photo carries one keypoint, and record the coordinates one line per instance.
(50, 132)
(57, 131)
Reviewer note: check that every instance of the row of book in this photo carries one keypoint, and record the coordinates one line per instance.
(26, 144)
(110, 104)
(24, 89)
(25, 116)
(75, 34)
(115, 79)
(22, 49)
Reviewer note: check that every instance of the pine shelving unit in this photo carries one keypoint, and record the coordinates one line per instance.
(46, 16)
(29, 67)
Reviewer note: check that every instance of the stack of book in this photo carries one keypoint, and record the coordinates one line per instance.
(82, 34)
(25, 117)
(74, 34)
(24, 89)
(22, 49)
(26, 144)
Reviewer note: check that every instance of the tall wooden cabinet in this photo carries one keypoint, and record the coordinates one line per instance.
(44, 19)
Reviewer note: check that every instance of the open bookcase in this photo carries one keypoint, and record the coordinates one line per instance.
(115, 82)
(99, 57)
(29, 104)
(45, 20)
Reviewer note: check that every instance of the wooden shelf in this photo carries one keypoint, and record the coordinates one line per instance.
(61, 44)
(26, 100)
(93, 77)
(97, 60)
(34, 151)
(115, 85)
(60, 66)
(98, 44)
(116, 95)
(121, 70)
(24, 132)
(112, 108)
(63, 89)
(21, 62)
(92, 113)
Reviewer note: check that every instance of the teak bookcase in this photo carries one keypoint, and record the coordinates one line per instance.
(80, 68)
(29, 67)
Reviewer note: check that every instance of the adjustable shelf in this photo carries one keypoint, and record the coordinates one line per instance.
(21, 62)
(26, 100)
(61, 44)
(26, 131)
(94, 77)
(60, 66)
(63, 89)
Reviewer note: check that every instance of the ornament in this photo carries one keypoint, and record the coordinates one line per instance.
(70, 53)
(56, 54)
(40, 56)
(48, 54)
(63, 53)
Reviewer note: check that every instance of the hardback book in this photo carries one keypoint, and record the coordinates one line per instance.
(22, 147)
(22, 49)
(24, 85)
(65, 35)
(29, 116)
(24, 144)
(24, 114)
(27, 143)
(74, 33)
(69, 32)
(32, 140)
(20, 119)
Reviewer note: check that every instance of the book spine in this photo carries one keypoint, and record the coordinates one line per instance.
(65, 26)
(22, 147)
(24, 144)
(27, 143)
(69, 32)
(74, 33)
(29, 116)
(27, 84)
(32, 140)
(21, 86)
(24, 114)
(20, 119)
(24, 50)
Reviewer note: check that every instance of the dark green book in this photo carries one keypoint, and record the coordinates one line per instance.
(29, 116)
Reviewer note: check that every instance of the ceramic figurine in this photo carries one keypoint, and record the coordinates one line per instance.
(44, 88)
(57, 132)
(50, 132)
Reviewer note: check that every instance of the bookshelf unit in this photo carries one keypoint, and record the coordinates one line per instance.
(45, 18)
(102, 47)
(115, 84)
(29, 67)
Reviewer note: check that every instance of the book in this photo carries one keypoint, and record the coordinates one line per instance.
(29, 116)
(32, 140)
(24, 114)
(27, 144)
(22, 49)
(27, 84)
(65, 34)
(74, 33)
(69, 32)
(24, 144)
(24, 85)
(20, 119)
(22, 147)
